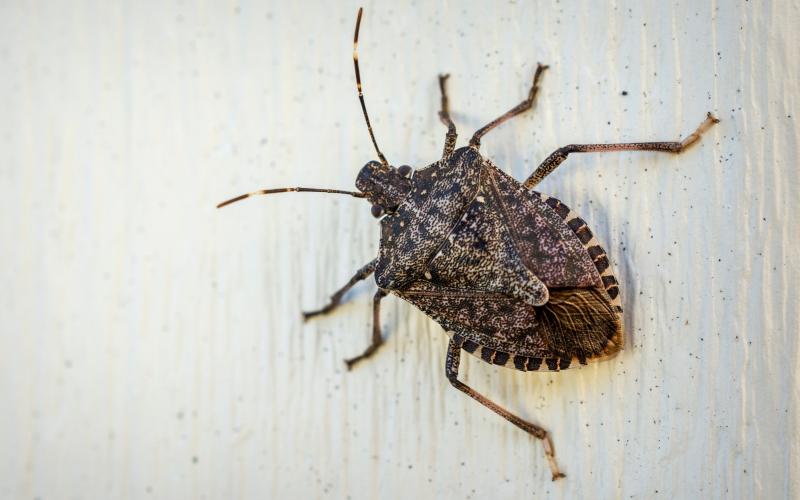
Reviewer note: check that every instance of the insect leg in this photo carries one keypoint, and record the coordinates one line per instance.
(336, 298)
(451, 369)
(519, 108)
(377, 338)
(559, 155)
(444, 115)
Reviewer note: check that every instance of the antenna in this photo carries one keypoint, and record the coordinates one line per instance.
(358, 86)
(290, 190)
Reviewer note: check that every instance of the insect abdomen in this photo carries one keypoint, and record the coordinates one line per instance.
(519, 362)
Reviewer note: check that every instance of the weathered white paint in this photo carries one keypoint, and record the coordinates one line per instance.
(152, 345)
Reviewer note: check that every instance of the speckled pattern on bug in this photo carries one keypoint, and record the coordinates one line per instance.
(512, 275)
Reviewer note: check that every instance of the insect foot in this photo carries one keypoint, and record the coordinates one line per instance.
(695, 136)
(551, 458)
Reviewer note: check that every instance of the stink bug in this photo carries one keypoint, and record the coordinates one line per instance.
(513, 276)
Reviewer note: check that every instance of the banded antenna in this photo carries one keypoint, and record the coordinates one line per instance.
(360, 93)
(354, 194)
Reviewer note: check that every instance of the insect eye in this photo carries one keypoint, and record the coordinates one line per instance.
(377, 211)
(404, 170)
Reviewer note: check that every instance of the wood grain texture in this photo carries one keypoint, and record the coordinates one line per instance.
(152, 347)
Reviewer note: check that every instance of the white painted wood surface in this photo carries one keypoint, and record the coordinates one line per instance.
(152, 346)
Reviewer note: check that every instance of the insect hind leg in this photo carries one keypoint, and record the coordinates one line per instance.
(336, 298)
(519, 108)
(451, 369)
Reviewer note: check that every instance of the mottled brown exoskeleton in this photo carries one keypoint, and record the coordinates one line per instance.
(513, 276)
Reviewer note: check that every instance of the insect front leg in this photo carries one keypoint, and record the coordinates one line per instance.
(519, 108)
(336, 298)
(559, 155)
(377, 338)
(444, 115)
(451, 369)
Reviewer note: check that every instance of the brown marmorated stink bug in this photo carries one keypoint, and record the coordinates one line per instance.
(513, 276)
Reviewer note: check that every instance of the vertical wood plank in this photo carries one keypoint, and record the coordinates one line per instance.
(152, 346)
